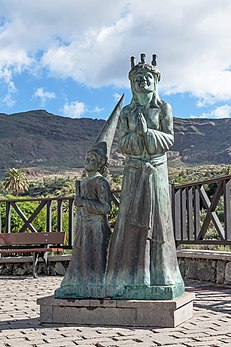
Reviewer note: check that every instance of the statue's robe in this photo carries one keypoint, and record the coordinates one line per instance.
(85, 274)
(142, 250)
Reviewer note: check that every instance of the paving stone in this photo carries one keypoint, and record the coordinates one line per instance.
(226, 340)
(165, 340)
(206, 344)
(19, 320)
(85, 343)
(56, 344)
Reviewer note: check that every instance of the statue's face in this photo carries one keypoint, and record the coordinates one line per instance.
(144, 82)
(91, 162)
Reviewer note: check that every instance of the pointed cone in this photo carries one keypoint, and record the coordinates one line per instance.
(108, 132)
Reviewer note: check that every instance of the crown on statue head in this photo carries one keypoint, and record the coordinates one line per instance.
(143, 65)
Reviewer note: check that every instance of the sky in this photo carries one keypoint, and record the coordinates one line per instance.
(72, 57)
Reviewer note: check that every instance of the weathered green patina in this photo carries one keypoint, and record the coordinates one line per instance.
(142, 257)
(142, 262)
(85, 276)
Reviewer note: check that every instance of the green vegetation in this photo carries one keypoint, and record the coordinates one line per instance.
(64, 185)
(28, 207)
(16, 181)
(51, 187)
(183, 175)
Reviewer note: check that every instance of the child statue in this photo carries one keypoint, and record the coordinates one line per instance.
(85, 276)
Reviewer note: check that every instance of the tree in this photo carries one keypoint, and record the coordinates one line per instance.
(16, 181)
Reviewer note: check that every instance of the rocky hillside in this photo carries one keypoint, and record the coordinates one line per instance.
(38, 138)
(203, 141)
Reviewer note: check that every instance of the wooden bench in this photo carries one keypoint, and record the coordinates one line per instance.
(38, 243)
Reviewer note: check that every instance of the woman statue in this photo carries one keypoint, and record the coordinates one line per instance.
(142, 257)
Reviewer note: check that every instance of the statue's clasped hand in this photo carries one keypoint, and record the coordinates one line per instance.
(142, 127)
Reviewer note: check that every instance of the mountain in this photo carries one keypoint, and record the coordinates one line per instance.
(202, 141)
(39, 138)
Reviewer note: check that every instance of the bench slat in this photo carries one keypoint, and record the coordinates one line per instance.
(30, 250)
(32, 238)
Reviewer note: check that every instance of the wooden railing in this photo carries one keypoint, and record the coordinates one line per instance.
(194, 213)
(59, 205)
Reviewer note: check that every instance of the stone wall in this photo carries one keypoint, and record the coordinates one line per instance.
(212, 266)
(22, 265)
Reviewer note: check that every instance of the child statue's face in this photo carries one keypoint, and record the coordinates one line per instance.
(91, 162)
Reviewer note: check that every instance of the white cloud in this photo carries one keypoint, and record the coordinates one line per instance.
(223, 111)
(6, 77)
(43, 95)
(117, 97)
(8, 99)
(97, 109)
(191, 39)
(74, 109)
(93, 59)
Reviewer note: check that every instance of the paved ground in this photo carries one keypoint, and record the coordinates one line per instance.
(20, 327)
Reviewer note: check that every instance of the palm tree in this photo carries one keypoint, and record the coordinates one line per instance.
(16, 181)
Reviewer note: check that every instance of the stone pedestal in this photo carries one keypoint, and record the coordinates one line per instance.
(142, 313)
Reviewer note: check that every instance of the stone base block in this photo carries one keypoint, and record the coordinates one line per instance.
(142, 313)
(145, 292)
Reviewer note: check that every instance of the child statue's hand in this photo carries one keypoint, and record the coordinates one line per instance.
(78, 201)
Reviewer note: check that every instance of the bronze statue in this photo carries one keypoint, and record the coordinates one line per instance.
(142, 256)
(85, 276)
